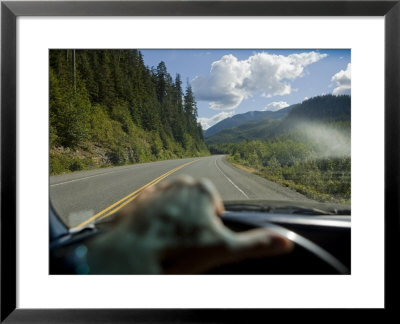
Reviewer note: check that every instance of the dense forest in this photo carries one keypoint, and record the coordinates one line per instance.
(108, 108)
(309, 150)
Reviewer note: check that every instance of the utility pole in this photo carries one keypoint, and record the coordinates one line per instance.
(74, 73)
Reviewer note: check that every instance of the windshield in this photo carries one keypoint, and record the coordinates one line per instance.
(262, 125)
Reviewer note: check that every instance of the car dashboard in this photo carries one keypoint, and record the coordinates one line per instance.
(322, 244)
(322, 241)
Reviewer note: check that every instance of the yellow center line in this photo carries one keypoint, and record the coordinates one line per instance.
(127, 199)
(132, 198)
(152, 184)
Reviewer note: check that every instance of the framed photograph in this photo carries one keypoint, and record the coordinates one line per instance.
(198, 161)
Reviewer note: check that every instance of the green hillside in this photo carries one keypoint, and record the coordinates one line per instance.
(250, 116)
(327, 108)
(247, 131)
(107, 108)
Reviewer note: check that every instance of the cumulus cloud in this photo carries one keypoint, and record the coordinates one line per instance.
(208, 122)
(231, 80)
(276, 105)
(343, 81)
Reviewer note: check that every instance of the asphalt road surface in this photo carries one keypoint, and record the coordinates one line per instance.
(81, 198)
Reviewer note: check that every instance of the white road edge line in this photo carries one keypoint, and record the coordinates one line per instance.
(95, 175)
(244, 194)
(79, 179)
(134, 166)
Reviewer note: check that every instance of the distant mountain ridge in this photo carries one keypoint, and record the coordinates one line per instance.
(250, 116)
(321, 109)
(252, 130)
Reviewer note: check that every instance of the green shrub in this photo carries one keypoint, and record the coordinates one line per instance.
(295, 163)
(76, 165)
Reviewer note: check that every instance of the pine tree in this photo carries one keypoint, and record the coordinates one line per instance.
(110, 99)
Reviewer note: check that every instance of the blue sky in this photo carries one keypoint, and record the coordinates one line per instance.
(231, 81)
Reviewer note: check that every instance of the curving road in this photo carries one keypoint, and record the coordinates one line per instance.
(83, 197)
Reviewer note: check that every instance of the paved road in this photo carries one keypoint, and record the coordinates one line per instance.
(83, 197)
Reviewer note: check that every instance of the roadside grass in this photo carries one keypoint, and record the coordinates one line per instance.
(64, 163)
(311, 183)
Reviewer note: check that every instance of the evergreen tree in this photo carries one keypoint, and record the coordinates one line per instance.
(109, 100)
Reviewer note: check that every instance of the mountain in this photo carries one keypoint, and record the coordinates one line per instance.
(321, 109)
(252, 130)
(250, 116)
(327, 108)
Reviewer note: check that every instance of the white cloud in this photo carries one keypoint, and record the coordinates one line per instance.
(343, 81)
(231, 80)
(276, 105)
(305, 98)
(208, 122)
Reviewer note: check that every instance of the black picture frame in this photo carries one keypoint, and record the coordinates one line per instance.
(10, 10)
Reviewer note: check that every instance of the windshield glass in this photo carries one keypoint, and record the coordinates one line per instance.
(260, 124)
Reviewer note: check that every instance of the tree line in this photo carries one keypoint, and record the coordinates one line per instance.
(108, 108)
(310, 165)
